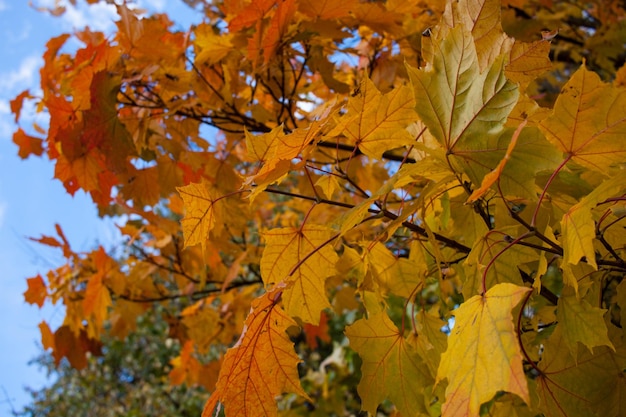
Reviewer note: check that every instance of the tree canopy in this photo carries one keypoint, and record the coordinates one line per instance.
(416, 207)
(128, 378)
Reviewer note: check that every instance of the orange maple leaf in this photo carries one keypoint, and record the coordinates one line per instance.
(252, 13)
(36, 292)
(29, 145)
(17, 102)
(278, 26)
(328, 9)
(97, 296)
(261, 365)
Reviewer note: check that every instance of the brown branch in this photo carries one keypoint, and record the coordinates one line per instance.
(390, 156)
(411, 226)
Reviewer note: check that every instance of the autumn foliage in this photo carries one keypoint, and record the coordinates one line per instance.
(406, 207)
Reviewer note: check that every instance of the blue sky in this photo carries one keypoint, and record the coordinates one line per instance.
(31, 201)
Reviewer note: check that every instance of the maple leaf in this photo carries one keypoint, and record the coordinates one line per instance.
(275, 151)
(578, 227)
(376, 122)
(47, 337)
(261, 365)
(97, 296)
(304, 258)
(563, 387)
(17, 103)
(488, 252)
(278, 26)
(587, 122)
(482, 18)
(212, 47)
(493, 176)
(466, 110)
(483, 356)
(462, 104)
(29, 145)
(36, 292)
(391, 366)
(581, 322)
(528, 60)
(73, 346)
(202, 207)
(327, 9)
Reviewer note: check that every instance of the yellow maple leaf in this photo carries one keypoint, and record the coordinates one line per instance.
(578, 226)
(483, 356)
(376, 123)
(201, 209)
(261, 365)
(327, 9)
(527, 61)
(276, 150)
(588, 122)
(305, 258)
(211, 47)
(482, 18)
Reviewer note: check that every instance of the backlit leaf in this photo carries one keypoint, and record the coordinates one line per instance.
(29, 145)
(376, 122)
(482, 18)
(483, 355)
(304, 257)
(202, 206)
(36, 292)
(261, 365)
(588, 123)
(528, 60)
(577, 225)
(460, 105)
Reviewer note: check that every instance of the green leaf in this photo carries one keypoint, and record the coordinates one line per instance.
(581, 322)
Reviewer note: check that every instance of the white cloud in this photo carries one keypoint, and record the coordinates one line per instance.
(99, 16)
(3, 5)
(22, 77)
(6, 127)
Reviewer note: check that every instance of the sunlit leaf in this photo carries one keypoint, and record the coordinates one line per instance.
(304, 257)
(261, 365)
(36, 292)
(587, 123)
(376, 122)
(483, 355)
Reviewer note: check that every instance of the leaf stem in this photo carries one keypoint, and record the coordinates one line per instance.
(545, 189)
